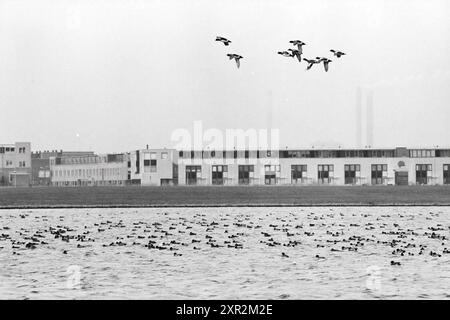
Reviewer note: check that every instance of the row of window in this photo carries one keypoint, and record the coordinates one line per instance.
(7, 149)
(213, 154)
(97, 172)
(9, 163)
(320, 153)
(153, 155)
(325, 174)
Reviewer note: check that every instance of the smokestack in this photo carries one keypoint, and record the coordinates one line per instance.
(358, 117)
(370, 118)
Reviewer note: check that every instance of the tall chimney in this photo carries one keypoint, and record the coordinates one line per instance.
(358, 117)
(370, 118)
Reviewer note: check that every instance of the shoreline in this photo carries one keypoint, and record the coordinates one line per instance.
(223, 196)
(223, 206)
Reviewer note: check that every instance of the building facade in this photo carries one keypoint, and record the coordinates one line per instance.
(15, 164)
(40, 164)
(399, 166)
(153, 167)
(89, 170)
(160, 167)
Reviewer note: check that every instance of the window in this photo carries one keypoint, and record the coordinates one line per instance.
(298, 173)
(193, 173)
(235, 154)
(224, 154)
(2, 149)
(325, 173)
(219, 174)
(271, 173)
(379, 173)
(352, 173)
(246, 154)
(180, 154)
(423, 173)
(446, 173)
(152, 165)
(153, 155)
(213, 154)
(245, 174)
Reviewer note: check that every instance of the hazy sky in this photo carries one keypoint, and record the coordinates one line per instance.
(119, 74)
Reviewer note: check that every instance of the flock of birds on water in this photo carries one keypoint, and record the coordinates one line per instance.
(330, 231)
(295, 52)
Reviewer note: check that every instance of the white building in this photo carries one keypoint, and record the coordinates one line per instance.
(15, 164)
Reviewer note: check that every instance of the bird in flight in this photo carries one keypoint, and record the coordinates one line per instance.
(225, 41)
(285, 54)
(337, 53)
(296, 53)
(299, 45)
(236, 57)
(311, 62)
(325, 63)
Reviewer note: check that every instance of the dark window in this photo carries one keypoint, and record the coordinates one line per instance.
(246, 154)
(129, 164)
(224, 154)
(219, 174)
(235, 154)
(180, 154)
(192, 154)
(2, 149)
(379, 173)
(257, 154)
(270, 173)
(352, 173)
(213, 154)
(146, 163)
(193, 173)
(138, 164)
(446, 173)
(423, 173)
(325, 173)
(298, 173)
(245, 174)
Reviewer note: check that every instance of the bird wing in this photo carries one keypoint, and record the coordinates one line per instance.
(230, 55)
(325, 65)
(238, 63)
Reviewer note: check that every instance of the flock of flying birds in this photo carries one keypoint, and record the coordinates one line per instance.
(289, 53)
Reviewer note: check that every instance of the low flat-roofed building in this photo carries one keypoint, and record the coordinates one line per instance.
(15, 164)
(40, 164)
(315, 167)
(89, 170)
(153, 167)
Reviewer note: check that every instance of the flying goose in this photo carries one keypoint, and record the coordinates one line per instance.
(225, 41)
(337, 53)
(285, 54)
(325, 63)
(299, 44)
(311, 62)
(297, 54)
(236, 57)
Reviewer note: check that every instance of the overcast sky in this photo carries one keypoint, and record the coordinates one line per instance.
(119, 74)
